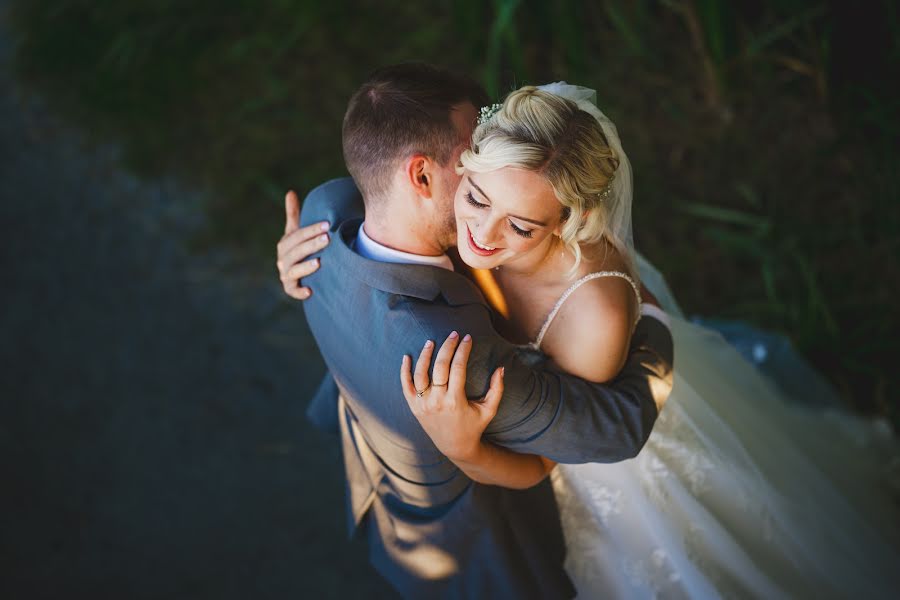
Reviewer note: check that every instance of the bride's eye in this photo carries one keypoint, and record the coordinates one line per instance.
(471, 200)
(525, 233)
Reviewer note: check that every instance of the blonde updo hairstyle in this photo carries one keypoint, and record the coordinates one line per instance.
(550, 135)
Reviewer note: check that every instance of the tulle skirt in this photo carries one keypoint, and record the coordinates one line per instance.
(738, 493)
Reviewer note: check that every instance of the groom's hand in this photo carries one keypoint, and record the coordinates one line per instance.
(295, 246)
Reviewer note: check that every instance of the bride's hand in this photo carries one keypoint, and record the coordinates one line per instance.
(295, 247)
(439, 402)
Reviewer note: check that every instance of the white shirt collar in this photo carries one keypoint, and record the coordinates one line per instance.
(369, 248)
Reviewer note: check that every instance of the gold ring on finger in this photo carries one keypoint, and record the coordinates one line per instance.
(420, 393)
(440, 384)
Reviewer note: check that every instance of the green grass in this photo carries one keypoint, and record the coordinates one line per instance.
(763, 135)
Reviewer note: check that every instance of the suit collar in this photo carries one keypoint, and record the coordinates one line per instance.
(369, 248)
(418, 281)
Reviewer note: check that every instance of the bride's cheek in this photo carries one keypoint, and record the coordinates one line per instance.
(521, 245)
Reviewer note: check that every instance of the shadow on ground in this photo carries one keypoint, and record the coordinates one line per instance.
(153, 433)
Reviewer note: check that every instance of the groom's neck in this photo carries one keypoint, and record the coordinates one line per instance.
(404, 234)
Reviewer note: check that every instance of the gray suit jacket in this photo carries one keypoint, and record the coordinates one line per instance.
(432, 531)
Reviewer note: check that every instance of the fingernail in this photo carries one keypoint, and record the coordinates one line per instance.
(323, 239)
(502, 372)
(324, 225)
(429, 344)
(467, 338)
(453, 335)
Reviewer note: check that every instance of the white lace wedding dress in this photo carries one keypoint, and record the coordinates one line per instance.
(737, 494)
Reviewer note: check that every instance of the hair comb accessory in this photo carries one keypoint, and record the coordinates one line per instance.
(604, 194)
(487, 112)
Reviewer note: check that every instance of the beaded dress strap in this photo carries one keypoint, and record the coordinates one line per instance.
(540, 338)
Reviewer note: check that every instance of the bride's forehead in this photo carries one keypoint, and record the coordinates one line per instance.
(520, 186)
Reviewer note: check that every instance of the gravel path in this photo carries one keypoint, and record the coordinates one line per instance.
(153, 437)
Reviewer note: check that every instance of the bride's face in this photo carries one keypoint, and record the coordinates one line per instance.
(503, 216)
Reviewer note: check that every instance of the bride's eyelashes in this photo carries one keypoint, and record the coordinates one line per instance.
(525, 233)
(471, 200)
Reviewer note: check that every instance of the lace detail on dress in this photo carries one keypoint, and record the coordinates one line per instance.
(627, 527)
(736, 494)
(535, 345)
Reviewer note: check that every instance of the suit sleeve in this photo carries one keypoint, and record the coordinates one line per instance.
(334, 201)
(570, 420)
(322, 409)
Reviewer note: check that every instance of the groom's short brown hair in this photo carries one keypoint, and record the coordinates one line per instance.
(399, 111)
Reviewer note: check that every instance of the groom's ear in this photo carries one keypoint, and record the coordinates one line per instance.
(419, 172)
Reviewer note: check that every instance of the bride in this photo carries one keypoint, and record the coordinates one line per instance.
(738, 492)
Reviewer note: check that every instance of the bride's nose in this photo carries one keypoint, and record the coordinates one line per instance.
(487, 231)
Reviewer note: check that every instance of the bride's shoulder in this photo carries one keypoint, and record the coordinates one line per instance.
(590, 335)
(602, 298)
(602, 290)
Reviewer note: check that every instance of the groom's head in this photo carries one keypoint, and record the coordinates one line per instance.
(403, 132)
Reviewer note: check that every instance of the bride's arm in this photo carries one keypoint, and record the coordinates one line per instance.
(496, 465)
(455, 423)
(589, 338)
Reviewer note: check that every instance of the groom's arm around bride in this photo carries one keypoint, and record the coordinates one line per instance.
(414, 503)
(432, 531)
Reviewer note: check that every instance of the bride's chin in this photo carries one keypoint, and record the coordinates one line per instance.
(473, 261)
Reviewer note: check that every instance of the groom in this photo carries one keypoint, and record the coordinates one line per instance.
(386, 285)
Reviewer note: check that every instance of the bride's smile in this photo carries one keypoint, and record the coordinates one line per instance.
(506, 216)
